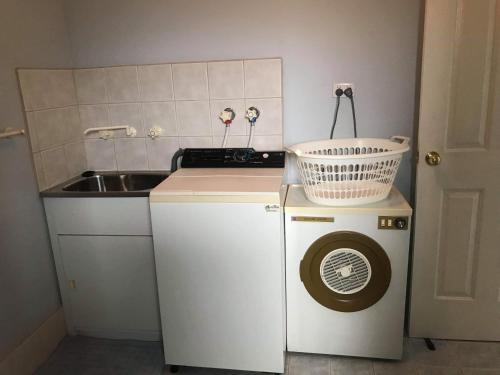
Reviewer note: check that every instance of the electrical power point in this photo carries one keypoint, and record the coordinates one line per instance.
(342, 86)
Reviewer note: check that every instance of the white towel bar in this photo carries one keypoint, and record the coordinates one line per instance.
(7, 133)
(130, 130)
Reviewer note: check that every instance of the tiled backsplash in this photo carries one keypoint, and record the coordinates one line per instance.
(183, 99)
(53, 125)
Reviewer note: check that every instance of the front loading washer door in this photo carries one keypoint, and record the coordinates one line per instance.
(346, 271)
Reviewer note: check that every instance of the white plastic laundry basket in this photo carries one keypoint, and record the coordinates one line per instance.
(342, 172)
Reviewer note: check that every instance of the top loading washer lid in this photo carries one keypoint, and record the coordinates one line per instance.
(394, 205)
(221, 185)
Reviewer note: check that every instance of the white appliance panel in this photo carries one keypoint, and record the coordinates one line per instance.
(220, 280)
(376, 331)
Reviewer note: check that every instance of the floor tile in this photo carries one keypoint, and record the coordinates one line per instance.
(350, 366)
(307, 364)
(90, 356)
(477, 371)
(394, 368)
(438, 370)
(483, 355)
(207, 371)
(445, 355)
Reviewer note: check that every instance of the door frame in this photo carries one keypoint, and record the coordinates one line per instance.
(415, 157)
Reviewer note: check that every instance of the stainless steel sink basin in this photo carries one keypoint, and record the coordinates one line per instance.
(139, 182)
(116, 182)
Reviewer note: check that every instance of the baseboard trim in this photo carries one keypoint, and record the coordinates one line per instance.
(36, 348)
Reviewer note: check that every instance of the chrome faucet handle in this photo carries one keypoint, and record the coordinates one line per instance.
(252, 114)
(227, 116)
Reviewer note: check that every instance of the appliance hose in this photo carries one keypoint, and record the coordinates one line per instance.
(175, 158)
(250, 139)
(226, 133)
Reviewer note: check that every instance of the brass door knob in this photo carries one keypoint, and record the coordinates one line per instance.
(432, 158)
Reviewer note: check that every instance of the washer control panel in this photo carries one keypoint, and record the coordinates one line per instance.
(232, 158)
(393, 222)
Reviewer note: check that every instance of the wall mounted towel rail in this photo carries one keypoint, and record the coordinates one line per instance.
(7, 133)
(106, 130)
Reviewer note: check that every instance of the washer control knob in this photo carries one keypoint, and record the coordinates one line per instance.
(400, 223)
(265, 155)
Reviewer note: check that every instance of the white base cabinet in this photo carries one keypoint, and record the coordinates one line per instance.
(103, 251)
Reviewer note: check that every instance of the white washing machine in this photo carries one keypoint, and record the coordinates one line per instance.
(346, 270)
(219, 253)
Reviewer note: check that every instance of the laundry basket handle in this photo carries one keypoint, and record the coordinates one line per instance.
(292, 151)
(400, 139)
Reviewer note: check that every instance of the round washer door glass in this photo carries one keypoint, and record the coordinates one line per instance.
(346, 271)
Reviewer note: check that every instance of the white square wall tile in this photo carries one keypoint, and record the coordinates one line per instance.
(40, 176)
(240, 124)
(126, 114)
(232, 141)
(33, 137)
(155, 82)
(195, 142)
(54, 166)
(34, 84)
(193, 118)
(90, 86)
(50, 127)
(162, 115)
(76, 160)
(160, 152)
(270, 120)
(190, 81)
(131, 154)
(225, 79)
(263, 78)
(121, 84)
(100, 154)
(71, 120)
(47, 88)
(93, 116)
(267, 142)
(55, 127)
(61, 91)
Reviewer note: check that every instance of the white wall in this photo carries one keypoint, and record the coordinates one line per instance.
(32, 33)
(370, 43)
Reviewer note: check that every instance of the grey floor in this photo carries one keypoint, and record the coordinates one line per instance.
(90, 356)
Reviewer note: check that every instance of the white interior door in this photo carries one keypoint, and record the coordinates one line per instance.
(456, 267)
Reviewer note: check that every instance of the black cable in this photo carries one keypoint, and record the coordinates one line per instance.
(339, 93)
(354, 118)
(348, 92)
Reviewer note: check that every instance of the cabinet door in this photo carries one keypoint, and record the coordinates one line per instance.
(111, 284)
